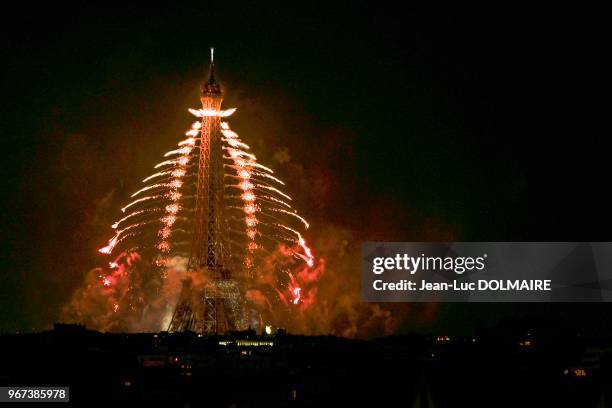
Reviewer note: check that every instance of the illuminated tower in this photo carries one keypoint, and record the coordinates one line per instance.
(214, 306)
(212, 214)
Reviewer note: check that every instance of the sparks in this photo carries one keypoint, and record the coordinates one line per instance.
(256, 211)
(297, 295)
(200, 113)
(111, 245)
(182, 151)
(173, 208)
(248, 196)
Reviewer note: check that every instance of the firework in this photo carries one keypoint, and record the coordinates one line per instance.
(258, 218)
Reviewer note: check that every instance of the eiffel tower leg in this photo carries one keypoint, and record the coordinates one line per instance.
(210, 318)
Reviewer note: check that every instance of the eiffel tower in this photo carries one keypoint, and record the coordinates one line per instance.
(216, 306)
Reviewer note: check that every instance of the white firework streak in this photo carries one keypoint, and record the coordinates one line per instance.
(253, 180)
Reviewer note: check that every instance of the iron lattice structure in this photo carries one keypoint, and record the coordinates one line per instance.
(214, 217)
(217, 306)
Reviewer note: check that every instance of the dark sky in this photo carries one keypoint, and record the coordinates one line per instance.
(473, 117)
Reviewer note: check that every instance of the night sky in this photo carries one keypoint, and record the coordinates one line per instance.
(394, 124)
